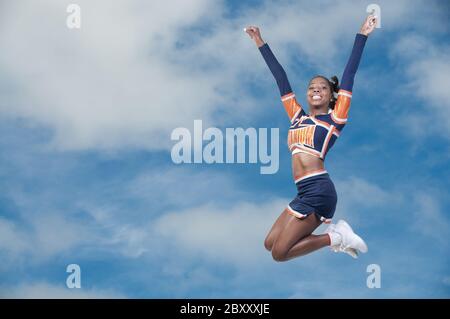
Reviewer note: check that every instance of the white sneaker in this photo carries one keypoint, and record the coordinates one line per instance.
(339, 247)
(349, 238)
(348, 250)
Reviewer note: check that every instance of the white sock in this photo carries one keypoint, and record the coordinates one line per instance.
(335, 238)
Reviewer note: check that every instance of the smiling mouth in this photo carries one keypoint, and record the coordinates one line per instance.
(316, 97)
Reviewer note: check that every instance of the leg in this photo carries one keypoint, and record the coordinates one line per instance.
(296, 239)
(276, 229)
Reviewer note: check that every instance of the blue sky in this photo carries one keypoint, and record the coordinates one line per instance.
(86, 175)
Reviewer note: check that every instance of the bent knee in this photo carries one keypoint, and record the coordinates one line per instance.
(279, 254)
(268, 244)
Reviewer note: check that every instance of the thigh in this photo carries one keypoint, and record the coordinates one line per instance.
(278, 226)
(296, 229)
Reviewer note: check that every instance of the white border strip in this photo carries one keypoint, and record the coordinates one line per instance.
(296, 214)
(337, 119)
(295, 115)
(325, 220)
(325, 143)
(310, 175)
(345, 94)
(288, 97)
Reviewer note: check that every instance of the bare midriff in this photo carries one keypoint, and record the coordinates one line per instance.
(304, 164)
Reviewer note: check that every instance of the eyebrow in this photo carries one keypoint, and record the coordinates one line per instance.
(324, 83)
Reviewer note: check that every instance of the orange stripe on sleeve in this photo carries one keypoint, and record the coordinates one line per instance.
(342, 106)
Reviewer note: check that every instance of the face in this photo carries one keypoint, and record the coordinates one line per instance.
(319, 93)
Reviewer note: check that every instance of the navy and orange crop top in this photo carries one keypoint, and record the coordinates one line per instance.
(315, 135)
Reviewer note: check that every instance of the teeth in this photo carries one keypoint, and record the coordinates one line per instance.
(316, 97)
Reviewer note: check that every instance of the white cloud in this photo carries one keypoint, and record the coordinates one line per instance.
(133, 72)
(207, 219)
(427, 77)
(429, 220)
(312, 289)
(99, 217)
(356, 195)
(58, 234)
(182, 186)
(234, 235)
(13, 244)
(431, 79)
(187, 244)
(44, 290)
(43, 236)
(10, 238)
(106, 84)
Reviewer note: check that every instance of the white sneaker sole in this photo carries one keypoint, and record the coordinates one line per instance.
(350, 251)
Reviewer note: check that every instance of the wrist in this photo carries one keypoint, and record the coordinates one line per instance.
(259, 42)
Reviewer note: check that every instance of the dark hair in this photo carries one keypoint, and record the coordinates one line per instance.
(333, 82)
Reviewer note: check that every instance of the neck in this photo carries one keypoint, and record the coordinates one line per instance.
(319, 110)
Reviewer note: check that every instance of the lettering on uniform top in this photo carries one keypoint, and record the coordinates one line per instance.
(302, 135)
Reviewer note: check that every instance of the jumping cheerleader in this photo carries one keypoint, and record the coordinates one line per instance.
(310, 138)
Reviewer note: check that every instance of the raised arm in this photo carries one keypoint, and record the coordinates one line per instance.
(340, 112)
(348, 76)
(290, 103)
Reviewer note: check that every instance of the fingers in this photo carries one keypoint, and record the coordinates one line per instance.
(371, 20)
(252, 31)
(369, 24)
(249, 31)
